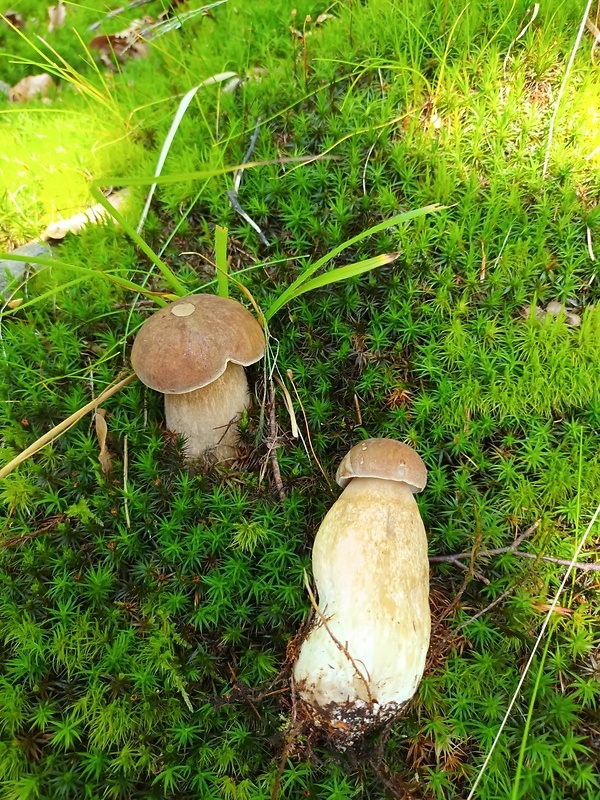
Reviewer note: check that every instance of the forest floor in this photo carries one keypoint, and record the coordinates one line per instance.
(149, 609)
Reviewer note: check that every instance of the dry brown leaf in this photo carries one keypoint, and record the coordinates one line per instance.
(76, 223)
(14, 18)
(56, 16)
(323, 18)
(123, 45)
(31, 86)
(104, 456)
(543, 608)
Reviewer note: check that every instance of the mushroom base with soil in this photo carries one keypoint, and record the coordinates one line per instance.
(365, 656)
(208, 417)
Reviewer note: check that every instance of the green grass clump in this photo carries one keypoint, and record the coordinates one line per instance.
(146, 614)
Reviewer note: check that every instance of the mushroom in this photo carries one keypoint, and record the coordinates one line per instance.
(363, 659)
(194, 351)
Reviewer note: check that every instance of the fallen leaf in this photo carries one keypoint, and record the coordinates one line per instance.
(323, 18)
(14, 18)
(543, 608)
(30, 87)
(76, 223)
(15, 303)
(123, 45)
(56, 16)
(102, 432)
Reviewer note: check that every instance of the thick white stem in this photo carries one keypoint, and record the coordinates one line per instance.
(208, 417)
(372, 574)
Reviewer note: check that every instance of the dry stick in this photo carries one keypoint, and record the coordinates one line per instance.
(337, 642)
(534, 650)
(291, 738)
(290, 375)
(125, 476)
(582, 565)
(274, 446)
(117, 11)
(520, 35)
(466, 568)
(562, 87)
(455, 557)
(470, 571)
(59, 429)
(497, 551)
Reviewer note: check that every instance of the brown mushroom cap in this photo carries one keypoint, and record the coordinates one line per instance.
(386, 459)
(187, 344)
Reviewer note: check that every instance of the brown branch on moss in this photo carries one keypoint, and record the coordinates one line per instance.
(455, 558)
(274, 445)
(342, 648)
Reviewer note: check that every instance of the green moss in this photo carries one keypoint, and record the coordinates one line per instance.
(144, 625)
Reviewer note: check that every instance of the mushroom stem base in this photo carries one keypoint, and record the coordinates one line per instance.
(346, 723)
(208, 417)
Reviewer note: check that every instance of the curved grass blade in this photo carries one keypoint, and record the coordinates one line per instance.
(292, 290)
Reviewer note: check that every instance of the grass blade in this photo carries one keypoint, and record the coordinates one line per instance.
(292, 290)
(221, 261)
(183, 106)
(348, 271)
(169, 276)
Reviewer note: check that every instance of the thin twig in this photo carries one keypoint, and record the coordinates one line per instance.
(63, 426)
(483, 611)
(585, 566)
(290, 375)
(470, 571)
(292, 735)
(343, 649)
(465, 567)
(238, 175)
(495, 552)
(522, 33)
(274, 446)
(593, 29)
(50, 524)
(117, 11)
(125, 476)
(513, 548)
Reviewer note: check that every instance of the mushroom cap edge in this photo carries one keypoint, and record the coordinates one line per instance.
(387, 459)
(175, 354)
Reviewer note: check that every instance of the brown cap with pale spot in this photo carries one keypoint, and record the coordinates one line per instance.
(386, 459)
(187, 344)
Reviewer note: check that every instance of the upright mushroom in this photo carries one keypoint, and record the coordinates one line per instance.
(194, 351)
(363, 659)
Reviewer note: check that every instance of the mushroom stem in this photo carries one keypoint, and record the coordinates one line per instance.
(372, 573)
(208, 417)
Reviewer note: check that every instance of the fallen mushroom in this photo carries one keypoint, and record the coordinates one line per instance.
(194, 351)
(363, 659)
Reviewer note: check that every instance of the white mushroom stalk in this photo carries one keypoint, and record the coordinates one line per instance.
(363, 659)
